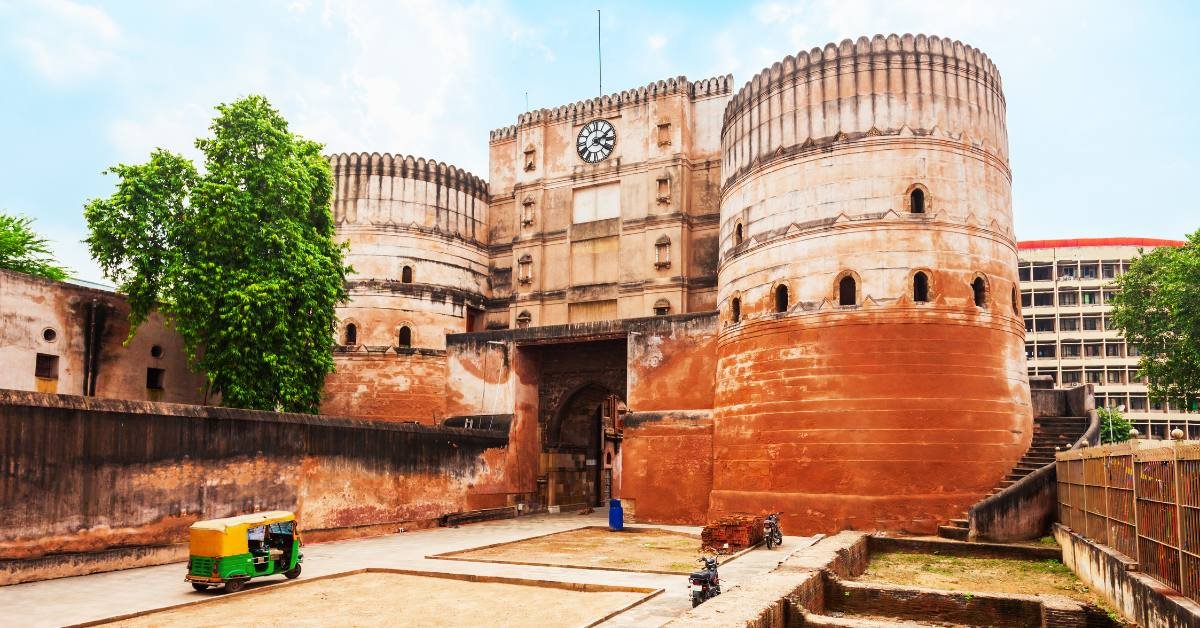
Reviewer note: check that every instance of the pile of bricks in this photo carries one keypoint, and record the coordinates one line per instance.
(739, 531)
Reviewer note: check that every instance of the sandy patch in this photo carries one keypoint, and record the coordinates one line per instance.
(638, 549)
(379, 599)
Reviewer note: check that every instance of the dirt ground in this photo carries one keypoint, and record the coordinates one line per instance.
(377, 599)
(997, 575)
(639, 549)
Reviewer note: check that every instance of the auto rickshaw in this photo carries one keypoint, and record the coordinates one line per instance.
(233, 550)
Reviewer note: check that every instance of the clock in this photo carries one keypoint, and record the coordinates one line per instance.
(596, 141)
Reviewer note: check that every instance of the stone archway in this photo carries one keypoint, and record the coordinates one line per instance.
(580, 447)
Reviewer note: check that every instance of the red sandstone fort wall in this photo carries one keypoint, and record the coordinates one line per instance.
(100, 484)
(409, 385)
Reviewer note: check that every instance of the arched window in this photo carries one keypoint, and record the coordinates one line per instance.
(523, 319)
(351, 337)
(781, 298)
(738, 235)
(525, 269)
(404, 337)
(979, 288)
(847, 291)
(406, 275)
(662, 252)
(921, 287)
(662, 307)
(735, 309)
(917, 201)
(1016, 301)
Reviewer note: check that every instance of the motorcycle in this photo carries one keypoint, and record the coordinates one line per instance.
(771, 531)
(704, 584)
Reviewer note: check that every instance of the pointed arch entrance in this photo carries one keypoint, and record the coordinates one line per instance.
(581, 446)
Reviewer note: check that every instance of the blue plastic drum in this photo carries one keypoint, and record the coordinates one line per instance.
(616, 515)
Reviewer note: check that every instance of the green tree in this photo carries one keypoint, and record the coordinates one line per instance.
(1158, 309)
(23, 250)
(241, 257)
(1114, 427)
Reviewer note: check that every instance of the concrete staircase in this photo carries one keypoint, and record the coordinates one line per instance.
(1048, 433)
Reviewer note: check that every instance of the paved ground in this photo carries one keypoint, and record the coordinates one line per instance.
(85, 598)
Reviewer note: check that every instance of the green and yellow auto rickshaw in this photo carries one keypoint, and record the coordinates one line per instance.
(233, 550)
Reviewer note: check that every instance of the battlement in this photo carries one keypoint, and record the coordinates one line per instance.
(904, 51)
(408, 167)
(704, 88)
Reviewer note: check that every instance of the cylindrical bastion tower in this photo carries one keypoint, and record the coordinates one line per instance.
(417, 236)
(871, 369)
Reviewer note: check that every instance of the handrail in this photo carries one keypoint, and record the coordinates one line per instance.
(1045, 474)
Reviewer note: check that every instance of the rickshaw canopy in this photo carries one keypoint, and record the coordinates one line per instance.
(227, 536)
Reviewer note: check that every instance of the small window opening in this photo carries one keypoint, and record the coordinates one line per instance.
(847, 291)
(735, 310)
(1016, 301)
(156, 351)
(525, 269)
(46, 366)
(49, 335)
(737, 234)
(405, 339)
(662, 252)
(781, 299)
(154, 378)
(406, 275)
(917, 199)
(524, 319)
(351, 335)
(979, 288)
(921, 288)
(662, 307)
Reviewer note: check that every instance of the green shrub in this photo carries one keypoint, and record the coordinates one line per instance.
(1114, 428)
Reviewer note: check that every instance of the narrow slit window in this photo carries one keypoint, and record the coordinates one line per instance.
(406, 275)
(847, 291)
(781, 299)
(351, 337)
(735, 310)
(979, 288)
(738, 234)
(921, 288)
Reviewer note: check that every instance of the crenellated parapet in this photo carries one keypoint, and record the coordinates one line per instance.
(890, 85)
(601, 105)
(347, 165)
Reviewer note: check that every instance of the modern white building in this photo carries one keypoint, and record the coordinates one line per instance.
(1066, 287)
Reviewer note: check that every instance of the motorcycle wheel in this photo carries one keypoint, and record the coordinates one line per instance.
(778, 537)
(770, 541)
(697, 598)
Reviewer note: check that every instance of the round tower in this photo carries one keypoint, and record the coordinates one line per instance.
(416, 231)
(416, 235)
(871, 369)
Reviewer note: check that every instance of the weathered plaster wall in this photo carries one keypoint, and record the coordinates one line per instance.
(888, 413)
(666, 460)
(396, 385)
(30, 305)
(667, 171)
(86, 476)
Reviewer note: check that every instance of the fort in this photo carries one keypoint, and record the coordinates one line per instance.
(797, 296)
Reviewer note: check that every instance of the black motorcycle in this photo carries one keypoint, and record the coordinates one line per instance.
(705, 584)
(771, 531)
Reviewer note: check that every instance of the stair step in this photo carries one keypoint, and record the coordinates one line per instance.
(953, 532)
(960, 523)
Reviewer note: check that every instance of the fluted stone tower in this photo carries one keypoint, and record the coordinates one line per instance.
(417, 233)
(871, 369)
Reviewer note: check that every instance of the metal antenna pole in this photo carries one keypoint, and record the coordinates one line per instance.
(599, 53)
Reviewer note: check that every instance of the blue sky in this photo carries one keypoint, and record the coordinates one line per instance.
(1100, 95)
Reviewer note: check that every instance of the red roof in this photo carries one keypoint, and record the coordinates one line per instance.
(1078, 242)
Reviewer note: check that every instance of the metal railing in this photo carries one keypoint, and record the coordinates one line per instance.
(1142, 499)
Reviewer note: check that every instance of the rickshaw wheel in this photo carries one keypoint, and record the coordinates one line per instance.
(235, 585)
(292, 573)
(199, 586)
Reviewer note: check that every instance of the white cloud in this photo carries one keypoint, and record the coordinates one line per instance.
(66, 41)
(656, 42)
(172, 128)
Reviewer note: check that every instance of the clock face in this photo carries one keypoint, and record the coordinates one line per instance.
(596, 141)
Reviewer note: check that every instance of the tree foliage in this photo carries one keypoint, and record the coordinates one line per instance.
(240, 257)
(1158, 309)
(1114, 427)
(23, 250)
